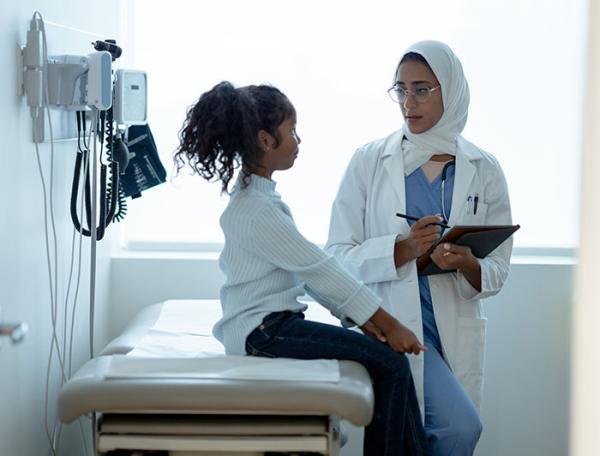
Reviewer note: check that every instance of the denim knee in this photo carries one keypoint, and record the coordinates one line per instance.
(393, 366)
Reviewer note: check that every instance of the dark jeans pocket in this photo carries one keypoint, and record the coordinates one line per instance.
(267, 333)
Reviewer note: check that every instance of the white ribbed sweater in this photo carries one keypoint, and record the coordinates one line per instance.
(268, 264)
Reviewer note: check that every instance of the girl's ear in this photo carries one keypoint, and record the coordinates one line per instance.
(265, 140)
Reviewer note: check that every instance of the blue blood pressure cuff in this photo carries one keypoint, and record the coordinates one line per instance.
(144, 169)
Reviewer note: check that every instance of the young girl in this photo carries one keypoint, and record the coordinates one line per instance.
(268, 264)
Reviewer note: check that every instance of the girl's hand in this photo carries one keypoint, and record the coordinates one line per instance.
(398, 336)
(373, 331)
(403, 340)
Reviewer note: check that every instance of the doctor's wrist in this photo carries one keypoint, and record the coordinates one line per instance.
(404, 251)
(470, 265)
(472, 272)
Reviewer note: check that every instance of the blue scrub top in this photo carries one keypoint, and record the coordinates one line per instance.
(424, 198)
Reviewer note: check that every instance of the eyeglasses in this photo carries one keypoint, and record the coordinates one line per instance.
(421, 94)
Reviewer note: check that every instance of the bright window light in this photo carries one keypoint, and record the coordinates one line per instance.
(335, 60)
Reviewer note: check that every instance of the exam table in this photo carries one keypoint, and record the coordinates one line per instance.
(166, 386)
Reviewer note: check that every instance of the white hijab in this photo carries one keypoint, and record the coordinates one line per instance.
(441, 138)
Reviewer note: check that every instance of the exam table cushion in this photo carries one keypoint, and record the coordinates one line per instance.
(90, 390)
(95, 388)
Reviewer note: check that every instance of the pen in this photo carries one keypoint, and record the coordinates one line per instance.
(415, 219)
(475, 200)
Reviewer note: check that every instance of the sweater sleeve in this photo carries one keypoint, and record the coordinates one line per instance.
(273, 236)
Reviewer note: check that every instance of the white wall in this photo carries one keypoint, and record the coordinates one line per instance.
(23, 275)
(526, 398)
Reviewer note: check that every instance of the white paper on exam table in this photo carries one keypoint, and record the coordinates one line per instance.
(225, 367)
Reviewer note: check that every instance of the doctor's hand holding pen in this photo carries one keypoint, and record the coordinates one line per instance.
(423, 234)
(385, 328)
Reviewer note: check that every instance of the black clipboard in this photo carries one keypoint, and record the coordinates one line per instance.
(482, 239)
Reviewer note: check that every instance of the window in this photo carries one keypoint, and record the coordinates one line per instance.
(335, 60)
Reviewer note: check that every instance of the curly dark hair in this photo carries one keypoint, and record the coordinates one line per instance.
(220, 131)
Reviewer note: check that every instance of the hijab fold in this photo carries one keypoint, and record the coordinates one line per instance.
(441, 138)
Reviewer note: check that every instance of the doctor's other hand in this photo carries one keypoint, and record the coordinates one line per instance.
(420, 239)
(451, 256)
(398, 336)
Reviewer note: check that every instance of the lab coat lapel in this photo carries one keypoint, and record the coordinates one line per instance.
(393, 164)
(463, 177)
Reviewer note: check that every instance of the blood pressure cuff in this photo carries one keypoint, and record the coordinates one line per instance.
(145, 169)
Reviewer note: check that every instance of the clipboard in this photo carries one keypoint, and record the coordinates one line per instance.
(482, 239)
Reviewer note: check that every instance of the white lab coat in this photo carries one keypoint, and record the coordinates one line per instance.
(364, 229)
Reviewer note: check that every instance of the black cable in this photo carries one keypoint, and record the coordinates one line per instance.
(122, 205)
(102, 221)
(74, 187)
(88, 189)
(119, 195)
(79, 160)
(82, 161)
(85, 146)
(112, 186)
(78, 130)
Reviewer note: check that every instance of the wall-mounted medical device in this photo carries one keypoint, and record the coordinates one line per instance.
(131, 93)
(86, 88)
(79, 82)
(71, 82)
(99, 84)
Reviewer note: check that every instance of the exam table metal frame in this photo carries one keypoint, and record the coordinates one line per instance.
(198, 417)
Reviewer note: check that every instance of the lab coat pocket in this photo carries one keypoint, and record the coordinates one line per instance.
(470, 355)
(475, 214)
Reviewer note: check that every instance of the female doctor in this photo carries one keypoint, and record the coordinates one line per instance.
(429, 171)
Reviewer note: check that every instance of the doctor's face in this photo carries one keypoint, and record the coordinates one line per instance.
(417, 79)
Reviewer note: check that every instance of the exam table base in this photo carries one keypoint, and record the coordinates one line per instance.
(202, 435)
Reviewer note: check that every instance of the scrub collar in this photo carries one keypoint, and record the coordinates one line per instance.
(441, 138)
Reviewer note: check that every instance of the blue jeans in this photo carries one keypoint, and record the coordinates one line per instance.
(396, 427)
